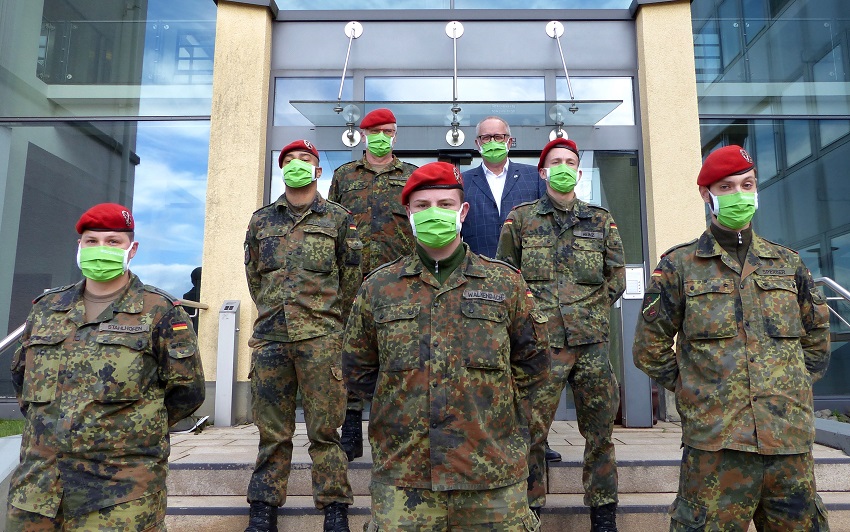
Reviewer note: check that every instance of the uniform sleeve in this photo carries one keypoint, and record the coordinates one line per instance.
(19, 363)
(333, 191)
(349, 249)
(252, 254)
(815, 316)
(510, 244)
(529, 343)
(615, 259)
(360, 347)
(180, 369)
(660, 321)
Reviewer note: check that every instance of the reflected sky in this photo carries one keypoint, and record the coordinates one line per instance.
(168, 202)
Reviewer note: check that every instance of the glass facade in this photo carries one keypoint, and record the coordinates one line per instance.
(773, 77)
(86, 86)
(286, 5)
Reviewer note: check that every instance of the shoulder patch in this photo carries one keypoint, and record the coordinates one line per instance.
(651, 306)
(171, 299)
(677, 246)
(497, 261)
(382, 266)
(340, 205)
(53, 291)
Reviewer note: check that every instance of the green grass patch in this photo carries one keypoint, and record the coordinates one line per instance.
(11, 427)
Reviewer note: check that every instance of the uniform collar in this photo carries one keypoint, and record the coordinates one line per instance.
(471, 266)
(131, 301)
(394, 164)
(707, 246)
(319, 206)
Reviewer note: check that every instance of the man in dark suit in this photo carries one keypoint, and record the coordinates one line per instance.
(495, 187)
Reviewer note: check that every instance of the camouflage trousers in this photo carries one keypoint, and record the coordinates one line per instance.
(277, 370)
(597, 396)
(397, 508)
(725, 490)
(146, 514)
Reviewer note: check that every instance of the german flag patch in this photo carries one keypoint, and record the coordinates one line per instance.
(179, 326)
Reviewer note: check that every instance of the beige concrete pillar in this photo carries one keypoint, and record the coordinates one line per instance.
(670, 125)
(237, 171)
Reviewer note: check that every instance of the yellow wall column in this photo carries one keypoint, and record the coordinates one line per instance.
(237, 169)
(670, 125)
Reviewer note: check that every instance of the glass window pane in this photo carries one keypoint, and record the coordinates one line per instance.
(730, 34)
(435, 89)
(587, 88)
(832, 130)
(287, 89)
(765, 149)
(447, 4)
(798, 141)
(755, 14)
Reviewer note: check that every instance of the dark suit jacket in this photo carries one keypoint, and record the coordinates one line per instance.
(484, 222)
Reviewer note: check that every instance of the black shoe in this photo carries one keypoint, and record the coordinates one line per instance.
(336, 518)
(263, 518)
(552, 456)
(603, 518)
(352, 434)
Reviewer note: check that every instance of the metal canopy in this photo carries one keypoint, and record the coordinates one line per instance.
(424, 114)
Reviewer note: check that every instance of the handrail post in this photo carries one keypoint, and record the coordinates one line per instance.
(228, 335)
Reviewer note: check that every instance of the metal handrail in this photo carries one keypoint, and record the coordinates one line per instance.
(13, 337)
(838, 289)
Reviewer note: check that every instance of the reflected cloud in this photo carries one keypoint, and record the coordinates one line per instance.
(173, 278)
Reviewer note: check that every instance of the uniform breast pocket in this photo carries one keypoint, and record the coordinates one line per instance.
(118, 368)
(779, 306)
(42, 357)
(710, 309)
(587, 260)
(485, 335)
(398, 337)
(537, 262)
(272, 250)
(319, 249)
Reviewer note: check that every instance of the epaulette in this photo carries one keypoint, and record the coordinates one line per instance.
(403, 163)
(349, 163)
(777, 244)
(338, 205)
(171, 299)
(677, 246)
(381, 267)
(52, 291)
(497, 261)
(526, 203)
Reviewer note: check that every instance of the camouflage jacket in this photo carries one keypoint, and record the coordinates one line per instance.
(750, 344)
(98, 398)
(572, 262)
(302, 273)
(449, 370)
(375, 200)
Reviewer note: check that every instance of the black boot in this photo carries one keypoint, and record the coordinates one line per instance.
(603, 518)
(551, 456)
(352, 434)
(336, 518)
(263, 518)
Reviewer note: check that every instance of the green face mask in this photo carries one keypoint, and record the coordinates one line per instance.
(494, 152)
(735, 210)
(562, 178)
(298, 173)
(103, 263)
(379, 144)
(435, 227)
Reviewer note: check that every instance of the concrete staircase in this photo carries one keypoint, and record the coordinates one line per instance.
(210, 472)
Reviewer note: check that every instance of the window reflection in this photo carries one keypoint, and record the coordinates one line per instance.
(586, 88)
(451, 4)
(288, 89)
(435, 89)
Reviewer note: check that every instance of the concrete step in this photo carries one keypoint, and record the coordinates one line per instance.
(640, 512)
(227, 474)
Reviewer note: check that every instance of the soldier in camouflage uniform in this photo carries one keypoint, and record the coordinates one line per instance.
(752, 336)
(571, 256)
(104, 367)
(444, 343)
(302, 260)
(370, 188)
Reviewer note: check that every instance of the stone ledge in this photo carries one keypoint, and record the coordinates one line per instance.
(833, 434)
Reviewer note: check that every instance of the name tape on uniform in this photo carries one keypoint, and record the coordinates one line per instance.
(775, 271)
(115, 327)
(588, 234)
(478, 294)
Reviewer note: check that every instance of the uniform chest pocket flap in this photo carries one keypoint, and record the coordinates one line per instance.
(119, 366)
(781, 311)
(485, 335)
(710, 309)
(271, 248)
(537, 257)
(43, 355)
(398, 336)
(319, 250)
(587, 260)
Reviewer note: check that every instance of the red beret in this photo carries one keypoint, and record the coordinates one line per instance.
(298, 145)
(557, 143)
(106, 217)
(728, 160)
(378, 117)
(431, 175)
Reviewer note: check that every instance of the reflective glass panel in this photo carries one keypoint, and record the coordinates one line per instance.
(106, 59)
(451, 4)
(56, 171)
(585, 88)
(287, 89)
(506, 89)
